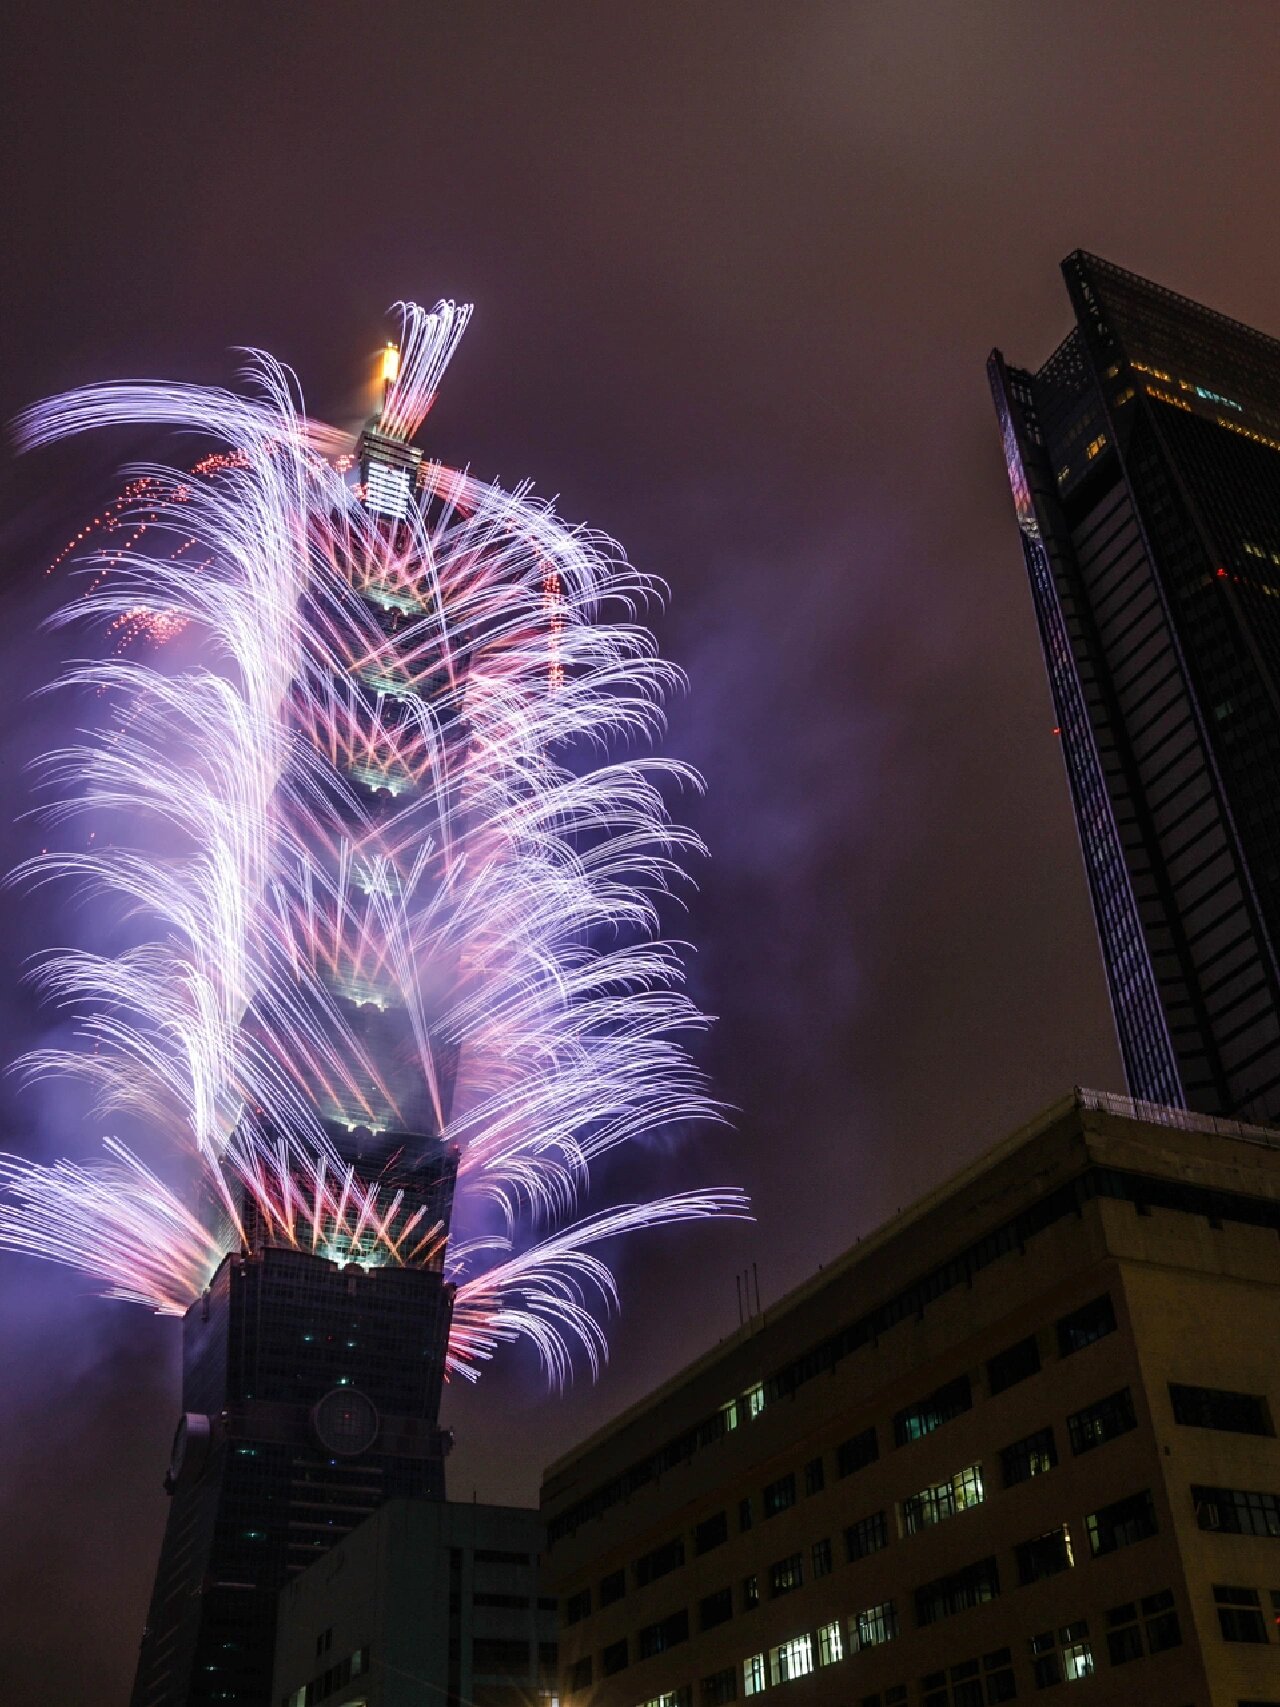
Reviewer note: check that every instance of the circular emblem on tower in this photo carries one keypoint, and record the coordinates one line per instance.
(345, 1422)
(190, 1451)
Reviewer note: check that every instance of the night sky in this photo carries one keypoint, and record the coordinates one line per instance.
(737, 269)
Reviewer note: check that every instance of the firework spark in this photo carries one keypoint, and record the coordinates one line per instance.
(399, 864)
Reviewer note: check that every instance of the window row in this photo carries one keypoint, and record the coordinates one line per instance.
(1065, 1654)
(1086, 1429)
(1107, 1530)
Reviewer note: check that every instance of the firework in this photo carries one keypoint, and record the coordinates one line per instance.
(399, 856)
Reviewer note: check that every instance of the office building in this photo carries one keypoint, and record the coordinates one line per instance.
(1144, 459)
(425, 1603)
(1022, 1437)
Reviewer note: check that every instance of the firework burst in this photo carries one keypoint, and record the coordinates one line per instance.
(397, 857)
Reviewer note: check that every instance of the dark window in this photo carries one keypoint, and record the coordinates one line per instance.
(997, 1674)
(744, 1514)
(711, 1532)
(1237, 1511)
(750, 1592)
(821, 1558)
(958, 1590)
(1007, 1368)
(779, 1495)
(511, 1601)
(868, 1535)
(1239, 1614)
(1161, 1621)
(1100, 1422)
(548, 1659)
(814, 1476)
(1124, 1644)
(1211, 1407)
(858, 1450)
(1121, 1524)
(577, 1606)
(1043, 1556)
(580, 1674)
(721, 1687)
(614, 1658)
(500, 1656)
(929, 1413)
(1093, 1321)
(548, 1602)
(1029, 1457)
(971, 1683)
(652, 1565)
(612, 1587)
(496, 1556)
(667, 1633)
(715, 1609)
(786, 1574)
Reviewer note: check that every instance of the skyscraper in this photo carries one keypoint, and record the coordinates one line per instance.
(312, 1380)
(1144, 460)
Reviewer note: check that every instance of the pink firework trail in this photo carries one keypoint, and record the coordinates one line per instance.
(396, 785)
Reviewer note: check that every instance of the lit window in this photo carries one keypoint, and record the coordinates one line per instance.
(943, 1499)
(1044, 1556)
(917, 1420)
(1064, 1658)
(754, 1397)
(873, 1625)
(1032, 1456)
(1077, 1658)
(753, 1675)
(830, 1643)
(791, 1659)
(1095, 446)
(387, 490)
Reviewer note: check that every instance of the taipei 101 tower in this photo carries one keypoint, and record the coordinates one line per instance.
(378, 978)
(312, 1376)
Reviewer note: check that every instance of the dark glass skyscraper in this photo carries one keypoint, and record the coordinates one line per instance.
(1144, 458)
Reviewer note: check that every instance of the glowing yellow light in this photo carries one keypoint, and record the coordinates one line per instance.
(390, 365)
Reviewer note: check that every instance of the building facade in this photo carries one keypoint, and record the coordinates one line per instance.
(425, 1602)
(1023, 1437)
(1144, 460)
